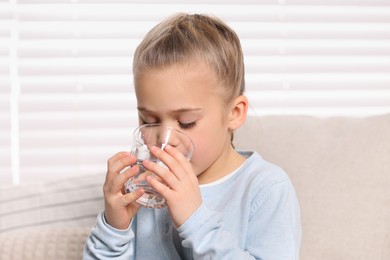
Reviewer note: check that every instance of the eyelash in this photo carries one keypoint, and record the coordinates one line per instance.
(187, 125)
(181, 125)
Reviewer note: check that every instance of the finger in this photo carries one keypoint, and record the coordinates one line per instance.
(161, 188)
(115, 185)
(176, 161)
(175, 153)
(117, 156)
(118, 162)
(131, 197)
(164, 175)
(183, 160)
(120, 179)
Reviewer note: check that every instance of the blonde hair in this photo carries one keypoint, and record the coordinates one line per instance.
(182, 38)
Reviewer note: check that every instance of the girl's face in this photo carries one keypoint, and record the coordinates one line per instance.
(185, 98)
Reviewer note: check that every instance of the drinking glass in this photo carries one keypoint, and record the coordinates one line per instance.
(144, 137)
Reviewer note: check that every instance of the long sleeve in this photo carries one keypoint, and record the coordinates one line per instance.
(273, 230)
(105, 242)
(206, 236)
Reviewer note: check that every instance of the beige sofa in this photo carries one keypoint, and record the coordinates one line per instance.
(340, 168)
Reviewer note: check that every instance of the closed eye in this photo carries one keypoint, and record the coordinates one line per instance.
(187, 125)
(148, 120)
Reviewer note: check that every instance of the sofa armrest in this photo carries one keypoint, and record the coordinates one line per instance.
(49, 220)
(44, 244)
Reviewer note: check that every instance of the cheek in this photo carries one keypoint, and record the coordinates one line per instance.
(207, 149)
(200, 153)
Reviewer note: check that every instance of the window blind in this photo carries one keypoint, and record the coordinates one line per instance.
(66, 97)
(5, 93)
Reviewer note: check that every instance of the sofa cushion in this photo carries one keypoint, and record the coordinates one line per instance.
(341, 171)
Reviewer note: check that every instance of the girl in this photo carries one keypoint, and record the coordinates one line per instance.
(223, 204)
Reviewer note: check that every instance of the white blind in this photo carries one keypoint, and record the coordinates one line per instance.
(5, 92)
(66, 98)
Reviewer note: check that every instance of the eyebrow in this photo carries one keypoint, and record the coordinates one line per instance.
(174, 111)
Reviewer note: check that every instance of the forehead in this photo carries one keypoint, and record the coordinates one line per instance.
(177, 86)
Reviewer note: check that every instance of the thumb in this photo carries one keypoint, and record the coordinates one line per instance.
(132, 196)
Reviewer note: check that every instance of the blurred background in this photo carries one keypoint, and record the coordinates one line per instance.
(66, 95)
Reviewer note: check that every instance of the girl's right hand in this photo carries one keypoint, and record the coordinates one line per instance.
(120, 208)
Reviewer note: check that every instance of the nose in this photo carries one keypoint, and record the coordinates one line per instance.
(162, 135)
(159, 135)
(167, 135)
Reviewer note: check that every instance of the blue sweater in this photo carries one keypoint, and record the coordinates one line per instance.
(252, 213)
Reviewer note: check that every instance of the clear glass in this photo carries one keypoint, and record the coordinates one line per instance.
(144, 137)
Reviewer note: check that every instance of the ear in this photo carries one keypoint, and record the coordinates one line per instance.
(238, 112)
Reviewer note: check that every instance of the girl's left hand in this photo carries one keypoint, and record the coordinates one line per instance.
(180, 186)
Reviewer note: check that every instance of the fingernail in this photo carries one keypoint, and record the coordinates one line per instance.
(135, 167)
(139, 192)
(154, 148)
